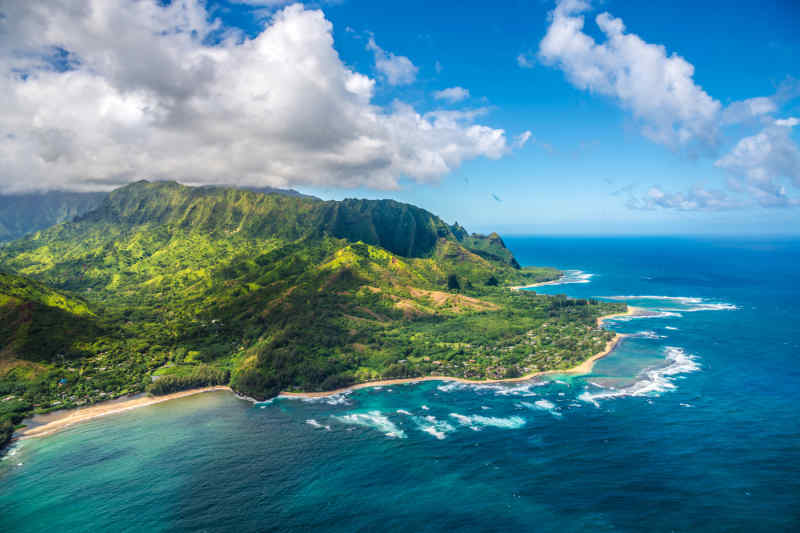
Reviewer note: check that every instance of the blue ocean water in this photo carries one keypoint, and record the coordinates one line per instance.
(692, 424)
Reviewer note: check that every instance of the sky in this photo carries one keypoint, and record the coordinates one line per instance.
(573, 117)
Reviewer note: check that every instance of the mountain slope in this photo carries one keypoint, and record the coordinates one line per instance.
(283, 292)
(21, 214)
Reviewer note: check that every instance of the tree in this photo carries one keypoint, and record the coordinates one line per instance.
(452, 282)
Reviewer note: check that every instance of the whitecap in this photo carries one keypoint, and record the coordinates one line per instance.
(425, 407)
(705, 307)
(671, 328)
(573, 276)
(652, 381)
(690, 303)
(403, 412)
(433, 426)
(542, 405)
(334, 399)
(647, 334)
(375, 420)
(645, 314)
(476, 421)
(680, 299)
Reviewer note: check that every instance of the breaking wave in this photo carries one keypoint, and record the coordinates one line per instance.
(648, 335)
(499, 389)
(542, 405)
(374, 420)
(688, 304)
(314, 423)
(334, 399)
(476, 422)
(645, 314)
(572, 276)
(651, 381)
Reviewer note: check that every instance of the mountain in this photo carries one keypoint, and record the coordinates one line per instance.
(21, 214)
(167, 287)
(37, 325)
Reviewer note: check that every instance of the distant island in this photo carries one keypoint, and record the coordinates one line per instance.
(163, 288)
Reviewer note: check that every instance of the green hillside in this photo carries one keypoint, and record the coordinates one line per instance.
(166, 287)
(21, 214)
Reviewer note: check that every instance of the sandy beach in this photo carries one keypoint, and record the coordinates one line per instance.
(583, 368)
(47, 424)
(540, 284)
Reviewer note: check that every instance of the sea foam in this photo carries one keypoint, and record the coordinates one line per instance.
(652, 381)
(688, 304)
(314, 423)
(431, 425)
(476, 422)
(375, 420)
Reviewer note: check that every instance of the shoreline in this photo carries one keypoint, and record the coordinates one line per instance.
(46, 424)
(556, 281)
(583, 368)
(49, 423)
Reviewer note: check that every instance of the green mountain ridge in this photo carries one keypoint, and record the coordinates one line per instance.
(192, 286)
(21, 214)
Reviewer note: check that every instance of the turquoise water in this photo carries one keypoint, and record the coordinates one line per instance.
(693, 423)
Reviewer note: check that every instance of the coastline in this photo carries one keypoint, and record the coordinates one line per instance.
(47, 424)
(583, 368)
(539, 284)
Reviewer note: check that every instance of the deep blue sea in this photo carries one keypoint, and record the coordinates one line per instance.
(692, 424)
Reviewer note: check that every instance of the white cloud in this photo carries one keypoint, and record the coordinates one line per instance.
(526, 60)
(787, 122)
(758, 163)
(522, 139)
(146, 96)
(398, 70)
(657, 88)
(748, 109)
(695, 199)
(452, 94)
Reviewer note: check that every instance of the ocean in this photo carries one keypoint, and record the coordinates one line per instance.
(691, 424)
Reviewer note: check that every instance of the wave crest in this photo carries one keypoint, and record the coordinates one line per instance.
(476, 422)
(653, 381)
(374, 420)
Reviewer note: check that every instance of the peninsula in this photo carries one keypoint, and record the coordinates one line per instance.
(165, 288)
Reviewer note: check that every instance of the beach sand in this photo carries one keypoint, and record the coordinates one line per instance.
(47, 424)
(583, 368)
(540, 284)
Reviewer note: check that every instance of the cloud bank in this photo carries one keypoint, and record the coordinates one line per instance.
(658, 88)
(97, 94)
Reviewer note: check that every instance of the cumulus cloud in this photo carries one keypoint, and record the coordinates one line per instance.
(745, 110)
(657, 88)
(787, 122)
(757, 164)
(398, 70)
(452, 94)
(97, 94)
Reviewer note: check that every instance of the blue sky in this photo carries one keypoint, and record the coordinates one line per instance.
(612, 147)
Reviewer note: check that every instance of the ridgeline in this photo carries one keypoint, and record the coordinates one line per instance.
(164, 287)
